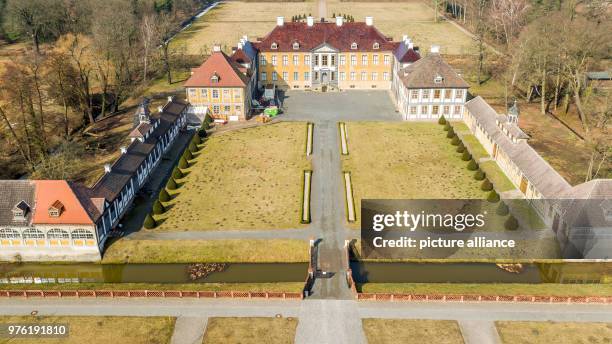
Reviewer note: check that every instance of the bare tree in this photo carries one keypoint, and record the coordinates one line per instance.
(509, 15)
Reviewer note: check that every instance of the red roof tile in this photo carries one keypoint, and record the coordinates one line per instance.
(48, 192)
(220, 64)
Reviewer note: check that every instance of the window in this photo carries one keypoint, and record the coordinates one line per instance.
(9, 233)
(425, 94)
(333, 76)
(316, 75)
(448, 94)
(333, 60)
(285, 60)
(386, 76)
(375, 59)
(227, 109)
(54, 213)
(204, 93)
(237, 94)
(262, 60)
(364, 76)
(274, 76)
(387, 59)
(226, 93)
(354, 46)
(446, 110)
(192, 92)
(285, 76)
(413, 110)
(216, 109)
(264, 76)
(296, 60)
(374, 76)
(274, 46)
(307, 60)
(376, 45)
(324, 60)
(215, 94)
(435, 110)
(296, 45)
(353, 60)
(414, 94)
(33, 233)
(342, 60)
(238, 108)
(437, 94)
(457, 110)
(364, 60)
(424, 110)
(274, 60)
(438, 79)
(353, 76)
(296, 76)
(459, 94)
(342, 76)
(317, 59)
(306, 76)
(81, 234)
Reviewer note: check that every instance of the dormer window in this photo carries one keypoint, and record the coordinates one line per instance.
(274, 46)
(20, 210)
(354, 46)
(376, 45)
(438, 79)
(214, 79)
(56, 209)
(296, 45)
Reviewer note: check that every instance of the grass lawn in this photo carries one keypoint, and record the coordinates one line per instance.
(250, 330)
(541, 332)
(100, 329)
(244, 179)
(294, 287)
(497, 176)
(406, 161)
(474, 146)
(555, 289)
(189, 251)
(409, 331)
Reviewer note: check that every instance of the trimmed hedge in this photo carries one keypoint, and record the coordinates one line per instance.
(442, 120)
(466, 156)
(486, 185)
(183, 163)
(472, 165)
(171, 185)
(493, 196)
(511, 223)
(187, 154)
(455, 141)
(177, 173)
(158, 208)
(450, 134)
(193, 147)
(502, 209)
(480, 175)
(460, 149)
(164, 196)
(447, 126)
(196, 139)
(149, 222)
(202, 133)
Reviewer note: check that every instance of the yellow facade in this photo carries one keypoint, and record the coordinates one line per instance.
(363, 70)
(221, 102)
(285, 65)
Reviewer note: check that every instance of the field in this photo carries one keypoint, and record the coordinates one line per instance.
(100, 329)
(250, 330)
(393, 331)
(215, 251)
(405, 161)
(243, 179)
(533, 332)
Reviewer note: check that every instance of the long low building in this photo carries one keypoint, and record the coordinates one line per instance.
(42, 220)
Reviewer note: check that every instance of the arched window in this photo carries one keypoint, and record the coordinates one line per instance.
(82, 234)
(57, 233)
(354, 45)
(274, 46)
(296, 45)
(9, 233)
(33, 233)
(376, 45)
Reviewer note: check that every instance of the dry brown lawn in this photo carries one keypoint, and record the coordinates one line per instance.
(250, 330)
(100, 329)
(534, 332)
(402, 331)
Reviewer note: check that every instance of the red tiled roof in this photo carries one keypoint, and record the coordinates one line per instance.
(220, 64)
(47, 193)
(240, 57)
(339, 37)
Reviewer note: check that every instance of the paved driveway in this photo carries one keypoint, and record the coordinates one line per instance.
(339, 106)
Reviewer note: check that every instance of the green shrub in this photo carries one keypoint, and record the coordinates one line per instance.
(447, 126)
(472, 165)
(466, 156)
(202, 133)
(455, 141)
(486, 185)
(193, 147)
(164, 196)
(158, 208)
(176, 173)
(183, 163)
(502, 209)
(450, 134)
(493, 196)
(442, 120)
(196, 139)
(460, 149)
(149, 222)
(479, 175)
(171, 185)
(511, 223)
(187, 154)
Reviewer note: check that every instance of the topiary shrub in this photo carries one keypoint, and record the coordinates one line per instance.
(196, 139)
(486, 185)
(472, 165)
(183, 163)
(202, 133)
(193, 147)
(460, 149)
(164, 196)
(176, 173)
(158, 208)
(442, 120)
(447, 126)
(149, 222)
(466, 156)
(187, 154)
(450, 134)
(493, 196)
(511, 223)
(502, 209)
(455, 141)
(171, 185)
(479, 175)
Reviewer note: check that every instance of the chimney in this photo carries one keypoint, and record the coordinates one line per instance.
(280, 21)
(435, 49)
(123, 149)
(240, 46)
(170, 99)
(160, 109)
(310, 21)
(216, 48)
(410, 45)
(339, 21)
(245, 38)
(107, 168)
(369, 21)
